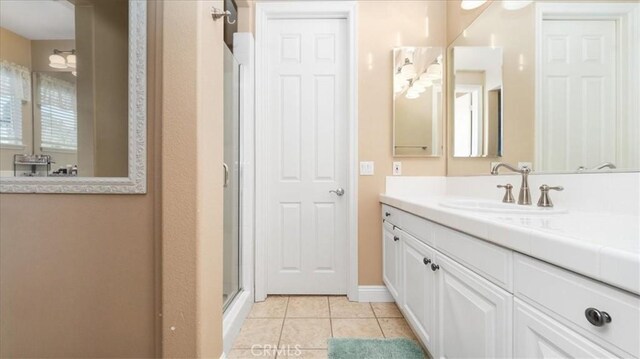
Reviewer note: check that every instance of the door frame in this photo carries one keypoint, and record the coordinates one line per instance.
(266, 11)
(627, 18)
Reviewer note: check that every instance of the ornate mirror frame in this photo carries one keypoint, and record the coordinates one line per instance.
(136, 182)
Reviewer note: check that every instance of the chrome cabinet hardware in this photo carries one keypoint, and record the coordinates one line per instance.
(524, 198)
(434, 267)
(339, 191)
(508, 195)
(545, 200)
(396, 238)
(426, 261)
(597, 317)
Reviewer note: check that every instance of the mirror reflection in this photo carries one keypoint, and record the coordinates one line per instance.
(417, 100)
(477, 125)
(64, 88)
(570, 87)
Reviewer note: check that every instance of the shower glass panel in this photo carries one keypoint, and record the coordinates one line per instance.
(231, 259)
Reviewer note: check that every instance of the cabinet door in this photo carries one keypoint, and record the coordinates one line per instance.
(390, 253)
(538, 336)
(474, 315)
(418, 295)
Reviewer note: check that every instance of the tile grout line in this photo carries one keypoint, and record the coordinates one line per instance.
(330, 319)
(286, 308)
(377, 320)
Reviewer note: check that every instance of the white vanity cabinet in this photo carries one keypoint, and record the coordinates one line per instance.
(474, 315)
(418, 280)
(390, 259)
(467, 297)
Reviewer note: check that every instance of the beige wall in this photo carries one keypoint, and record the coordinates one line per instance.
(459, 19)
(17, 49)
(383, 25)
(78, 272)
(192, 110)
(514, 32)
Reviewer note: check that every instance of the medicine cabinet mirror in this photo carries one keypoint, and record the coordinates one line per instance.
(417, 101)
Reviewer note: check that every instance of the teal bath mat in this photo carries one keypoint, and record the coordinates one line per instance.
(400, 348)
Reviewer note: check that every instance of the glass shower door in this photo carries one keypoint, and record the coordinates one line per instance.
(231, 167)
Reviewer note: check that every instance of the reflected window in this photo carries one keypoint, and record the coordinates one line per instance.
(15, 91)
(57, 100)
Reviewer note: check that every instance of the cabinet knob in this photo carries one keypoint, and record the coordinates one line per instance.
(387, 214)
(434, 267)
(596, 317)
(396, 238)
(426, 261)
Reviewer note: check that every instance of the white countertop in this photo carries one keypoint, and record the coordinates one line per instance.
(605, 247)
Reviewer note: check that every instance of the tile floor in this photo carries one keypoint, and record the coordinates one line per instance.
(285, 322)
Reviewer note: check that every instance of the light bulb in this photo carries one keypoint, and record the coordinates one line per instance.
(71, 61)
(57, 62)
(408, 70)
(471, 4)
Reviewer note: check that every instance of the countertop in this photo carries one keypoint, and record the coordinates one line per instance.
(605, 247)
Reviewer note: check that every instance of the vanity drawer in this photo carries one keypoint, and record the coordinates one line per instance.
(565, 296)
(418, 227)
(392, 215)
(492, 262)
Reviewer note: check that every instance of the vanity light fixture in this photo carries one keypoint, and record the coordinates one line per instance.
(471, 4)
(58, 61)
(408, 70)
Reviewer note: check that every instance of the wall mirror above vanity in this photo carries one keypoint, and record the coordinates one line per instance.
(417, 101)
(73, 96)
(549, 84)
(477, 97)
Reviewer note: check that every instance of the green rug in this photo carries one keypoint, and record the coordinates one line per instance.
(400, 348)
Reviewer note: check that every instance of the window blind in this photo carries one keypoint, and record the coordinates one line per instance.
(58, 116)
(15, 89)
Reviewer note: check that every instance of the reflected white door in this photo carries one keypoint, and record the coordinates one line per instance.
(307, 120)
(579, 84)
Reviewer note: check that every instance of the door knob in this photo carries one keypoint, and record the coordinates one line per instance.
(339, 191)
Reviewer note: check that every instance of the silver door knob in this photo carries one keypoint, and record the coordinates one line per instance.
(339, 191)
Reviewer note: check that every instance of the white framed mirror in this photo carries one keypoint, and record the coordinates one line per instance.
(73, 100)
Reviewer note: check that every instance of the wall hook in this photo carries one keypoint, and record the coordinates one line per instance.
(217, 14)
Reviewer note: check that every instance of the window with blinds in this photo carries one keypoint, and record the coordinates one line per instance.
(15, 89)
(58, 115)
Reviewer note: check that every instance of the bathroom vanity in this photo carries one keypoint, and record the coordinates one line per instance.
(491, 284)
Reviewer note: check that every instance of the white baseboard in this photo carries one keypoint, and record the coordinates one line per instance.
(374, 293)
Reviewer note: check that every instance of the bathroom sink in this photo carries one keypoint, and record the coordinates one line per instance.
(498, 207)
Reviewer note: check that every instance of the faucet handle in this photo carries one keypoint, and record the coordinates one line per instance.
(545, 200)
(508, 196)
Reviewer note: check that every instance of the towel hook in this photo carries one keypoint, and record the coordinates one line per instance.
(217, 13)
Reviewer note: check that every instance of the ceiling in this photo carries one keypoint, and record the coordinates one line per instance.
(39, 19)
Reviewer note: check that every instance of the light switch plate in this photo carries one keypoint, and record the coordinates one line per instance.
(366, 168)
(397, 168)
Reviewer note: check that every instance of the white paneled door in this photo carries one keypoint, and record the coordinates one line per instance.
(307, 124)
(580, 120)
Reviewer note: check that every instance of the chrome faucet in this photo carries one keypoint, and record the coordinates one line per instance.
(524, 197)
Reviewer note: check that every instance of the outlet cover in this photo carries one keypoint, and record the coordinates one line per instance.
(366, 168)
(397, 168)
